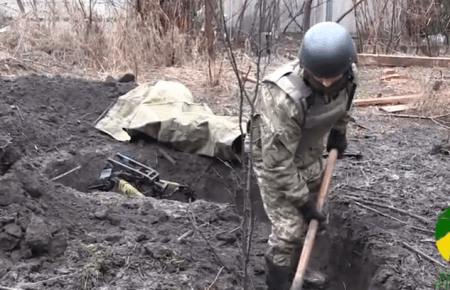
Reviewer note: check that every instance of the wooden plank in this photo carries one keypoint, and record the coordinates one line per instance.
(248, 78)
(394, 109)
(391, 77)
(402, 60)
(385, 100)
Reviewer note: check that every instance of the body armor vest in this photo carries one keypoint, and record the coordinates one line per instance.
(319, 116)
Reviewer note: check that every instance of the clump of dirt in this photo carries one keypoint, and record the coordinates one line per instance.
(8, 155)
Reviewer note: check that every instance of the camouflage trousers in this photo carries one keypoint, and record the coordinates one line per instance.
(288, 229)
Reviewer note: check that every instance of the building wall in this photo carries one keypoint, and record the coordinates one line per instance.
(331, 8)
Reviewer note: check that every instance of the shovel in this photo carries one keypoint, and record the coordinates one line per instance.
(297, 284)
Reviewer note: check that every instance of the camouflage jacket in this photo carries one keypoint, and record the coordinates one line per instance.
(281, 129)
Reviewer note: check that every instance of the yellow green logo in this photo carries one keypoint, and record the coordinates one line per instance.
(443, 234)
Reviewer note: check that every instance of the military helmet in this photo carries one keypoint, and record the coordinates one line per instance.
(327, 50)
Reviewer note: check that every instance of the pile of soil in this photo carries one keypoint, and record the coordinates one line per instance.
(60, 234)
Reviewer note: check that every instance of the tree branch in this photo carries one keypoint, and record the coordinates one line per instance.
(423, 255)
(349, 10)
(247, 222)
(292, 17)
(300, 13)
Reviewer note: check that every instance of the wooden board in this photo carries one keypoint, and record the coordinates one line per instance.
(385, 100)
(402, 60)
(394, 109)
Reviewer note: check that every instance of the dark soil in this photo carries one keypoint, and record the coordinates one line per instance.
(60, 234)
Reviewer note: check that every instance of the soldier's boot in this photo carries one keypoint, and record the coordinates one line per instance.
(313, 278)
(277, 277)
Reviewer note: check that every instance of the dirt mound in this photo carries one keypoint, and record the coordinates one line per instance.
(64, 238)
(43, 114)
(60, 234)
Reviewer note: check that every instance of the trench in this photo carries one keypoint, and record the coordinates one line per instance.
(208, 178)
(342, 253)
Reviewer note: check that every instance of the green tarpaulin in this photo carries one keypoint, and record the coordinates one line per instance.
(167, 112)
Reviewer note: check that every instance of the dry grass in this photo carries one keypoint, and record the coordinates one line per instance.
(211, 82)
(99, 259)
(132, 40)
(391, 26)
(435, 99)
(430, 84)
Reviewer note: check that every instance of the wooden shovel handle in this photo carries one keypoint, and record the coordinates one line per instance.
(314, 224)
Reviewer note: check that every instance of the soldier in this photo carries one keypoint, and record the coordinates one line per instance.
(298, 105)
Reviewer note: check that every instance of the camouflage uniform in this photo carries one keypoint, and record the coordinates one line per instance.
(287, 156)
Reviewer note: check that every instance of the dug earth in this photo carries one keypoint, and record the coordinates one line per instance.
(59, 234)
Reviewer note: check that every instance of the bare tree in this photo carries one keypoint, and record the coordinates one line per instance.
(264, 21)
(386, 26)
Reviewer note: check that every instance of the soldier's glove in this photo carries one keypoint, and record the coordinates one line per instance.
(309, 212)
(337, 140)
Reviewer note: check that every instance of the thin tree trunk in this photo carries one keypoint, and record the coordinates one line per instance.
(138, 6)
(240, 21)
(209, 16)
(22, 9)
(277, 19)
(307, 16)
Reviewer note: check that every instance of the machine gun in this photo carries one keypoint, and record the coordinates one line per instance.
(141, 176)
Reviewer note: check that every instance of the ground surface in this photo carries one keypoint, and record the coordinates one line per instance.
(59, 234)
